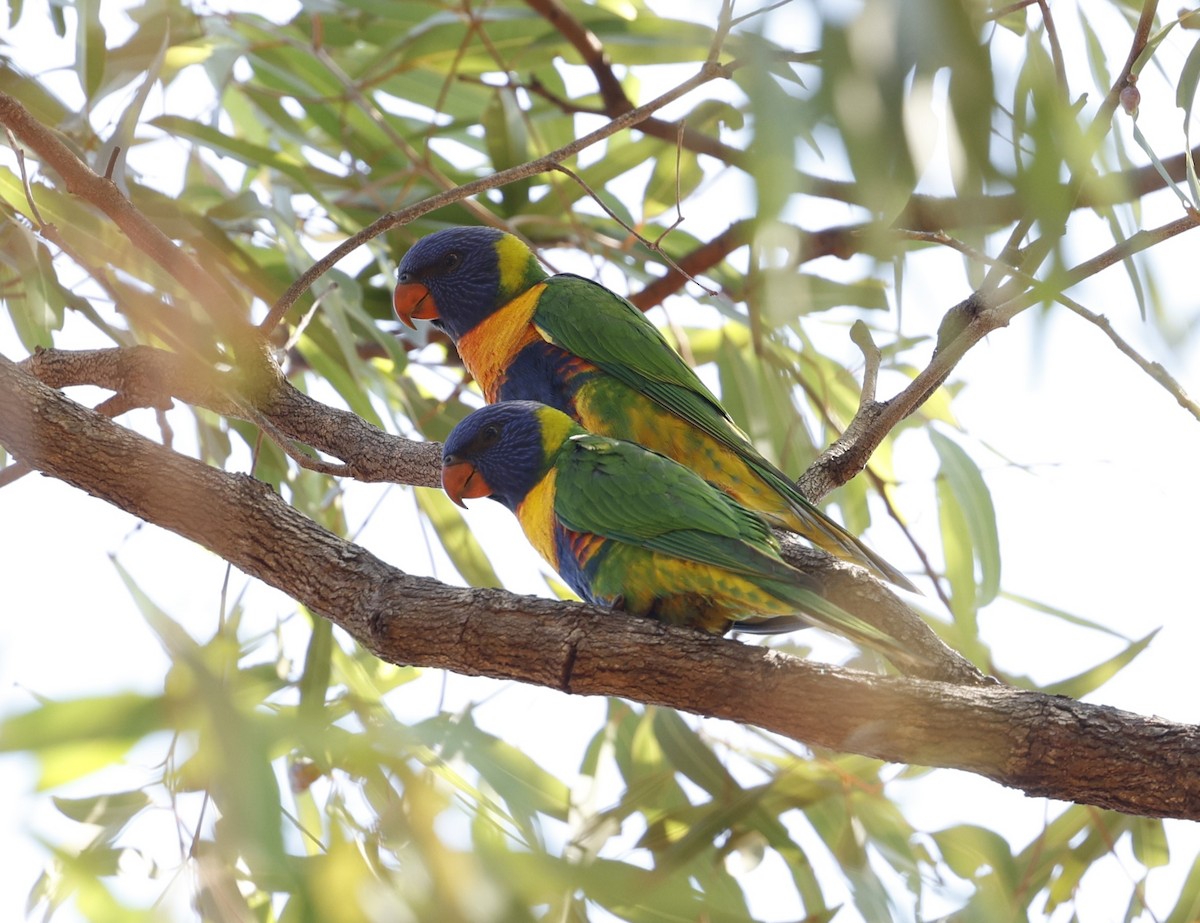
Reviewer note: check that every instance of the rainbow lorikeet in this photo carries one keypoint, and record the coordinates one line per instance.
(573, 344)
(629, 528)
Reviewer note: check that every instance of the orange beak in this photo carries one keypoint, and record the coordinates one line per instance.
(412, 299)
(461, 481)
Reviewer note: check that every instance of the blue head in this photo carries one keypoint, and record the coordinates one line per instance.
(503, 450)
(458, 276)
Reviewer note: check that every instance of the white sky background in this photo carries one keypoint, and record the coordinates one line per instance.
(1081, 425)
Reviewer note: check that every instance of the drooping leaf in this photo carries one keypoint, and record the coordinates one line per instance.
(971, 492)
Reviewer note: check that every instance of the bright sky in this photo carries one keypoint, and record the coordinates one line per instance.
(1079, 425)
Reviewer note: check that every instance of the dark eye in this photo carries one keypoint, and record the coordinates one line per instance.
(488, 436)
(450, 262)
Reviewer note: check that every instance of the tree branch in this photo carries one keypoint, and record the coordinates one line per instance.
(143, 376)
(962, 327)
(1045, 745)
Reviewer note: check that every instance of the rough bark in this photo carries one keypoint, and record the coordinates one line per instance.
(150, 377)
(1045, 745)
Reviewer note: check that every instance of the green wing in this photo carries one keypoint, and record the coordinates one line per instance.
(600, 326)
(622, 491)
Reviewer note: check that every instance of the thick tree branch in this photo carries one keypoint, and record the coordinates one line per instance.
(1044, 745)
(142, 376)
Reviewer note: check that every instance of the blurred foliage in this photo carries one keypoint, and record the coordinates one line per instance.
(296, 790)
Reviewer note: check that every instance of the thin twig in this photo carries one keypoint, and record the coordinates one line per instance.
(289, 447)
(860, 336)
(1060, 67)
(648, 244)
(20, 152)
(1153, 369)
(993, 15)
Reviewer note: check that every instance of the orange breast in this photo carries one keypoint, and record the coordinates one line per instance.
(490, 347)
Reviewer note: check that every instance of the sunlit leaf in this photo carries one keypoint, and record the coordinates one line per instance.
(975, 500)
(1093, 678)
(1150, 842)
(463, 548)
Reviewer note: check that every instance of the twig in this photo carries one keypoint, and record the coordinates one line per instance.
(769, 8)
(650, 245)
(592, 51)
(1153, 369)
(20, 152)
(1060, 67)
(860, 336)
(993, 15)
(112, 163)
(695, 263)
(926, 565)
(286, 444)
(724, 24)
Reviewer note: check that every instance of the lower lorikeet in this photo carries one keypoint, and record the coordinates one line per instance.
(632, 529)
(573, 344)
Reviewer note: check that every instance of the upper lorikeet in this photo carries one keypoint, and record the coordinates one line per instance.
(630, 528)
(573, 344)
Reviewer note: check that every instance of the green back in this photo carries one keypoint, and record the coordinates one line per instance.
(600, 326)
(622, 491)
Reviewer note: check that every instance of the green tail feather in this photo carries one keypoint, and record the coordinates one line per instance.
(840, 542)
(819, 612)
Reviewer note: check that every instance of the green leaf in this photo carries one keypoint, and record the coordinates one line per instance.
(1185, 98)
(102, 810)
(90, 46)
(29, 307)
(1150, 842)
(957, 549)
(507, 143)
(318, 666)
(971, 851)
(1187, 907)
(1061, 614)
(1093, 678)
(463, 549)
(14, 10)
(966, 482)
(526, 787)
(688, 754)
(73, 739)
(121, 718)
